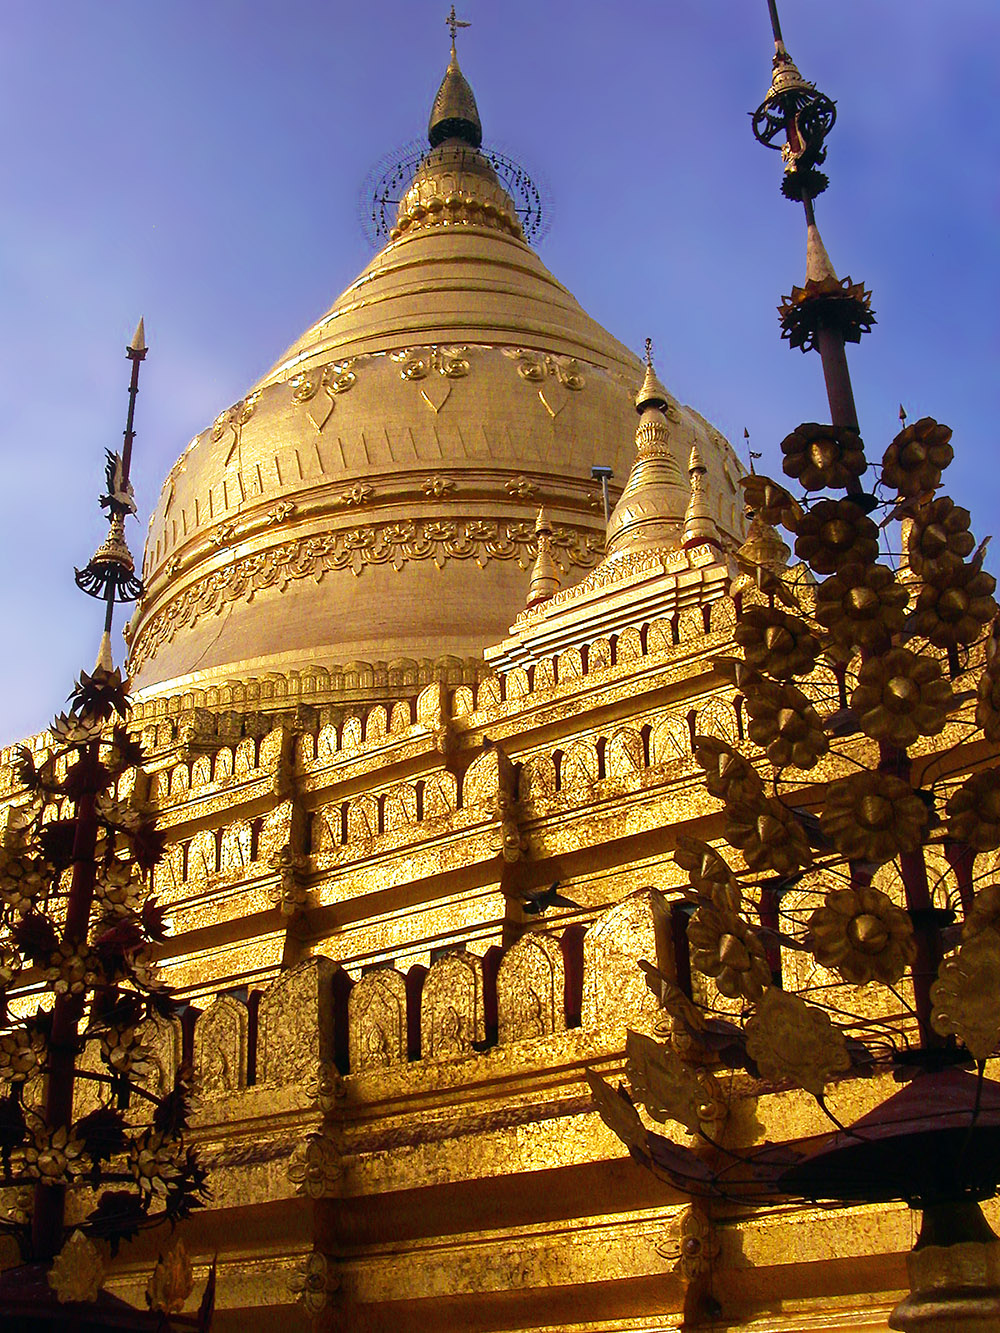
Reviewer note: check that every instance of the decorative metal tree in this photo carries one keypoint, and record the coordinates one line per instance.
(854, 929)
(89, 1154)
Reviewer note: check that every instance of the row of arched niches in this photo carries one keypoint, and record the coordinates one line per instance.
(314, 1017)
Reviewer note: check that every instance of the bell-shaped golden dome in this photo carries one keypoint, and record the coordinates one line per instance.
(373, 496)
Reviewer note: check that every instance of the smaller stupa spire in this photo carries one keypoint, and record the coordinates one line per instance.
(545, 580)
(454, 114)
(649, 514)
(699, 525)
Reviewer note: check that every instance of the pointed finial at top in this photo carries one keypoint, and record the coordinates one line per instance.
(138, 343)
(652, 393)
(454, 114)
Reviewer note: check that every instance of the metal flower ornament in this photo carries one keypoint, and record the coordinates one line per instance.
(846, 922)
(90, 1142)
(842, 914)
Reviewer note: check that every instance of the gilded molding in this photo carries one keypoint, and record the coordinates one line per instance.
(394, 544)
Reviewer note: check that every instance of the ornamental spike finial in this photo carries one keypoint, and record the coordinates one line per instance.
(826, 311)
(454, 114)
(794, 111)
(138, 343)
(454, 24)
(110, 574)
(699, 525)
(819, 266)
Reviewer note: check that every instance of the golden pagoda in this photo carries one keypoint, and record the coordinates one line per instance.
(419, 731)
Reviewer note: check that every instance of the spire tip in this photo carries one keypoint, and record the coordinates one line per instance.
(138, 343)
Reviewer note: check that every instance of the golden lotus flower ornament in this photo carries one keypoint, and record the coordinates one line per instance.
(670, 1089)
(861, 605)
(873, 816)
(939, 538)
(913, 463)
(728, 775)
(770, 838)
(21, 1054)
(695, 1247)
(315, 1167)
(785, 725)
(793, 1041)
(820, 456)
(54, 1158)
(985, 913)
(770, 501)
(902, 695)
(710, 874)
(974, 811)
(724, 948)
(863, 935)
(965, 998)
(953, 607)
(835, 533)
(988, 701)
(777, 642)
(314, 1281)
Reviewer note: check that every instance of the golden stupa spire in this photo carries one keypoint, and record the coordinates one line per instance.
(650, 513)
(765, 547)
(699, 525)
(545, 578)
(454, 114)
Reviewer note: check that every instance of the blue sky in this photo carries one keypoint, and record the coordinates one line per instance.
(200, 162)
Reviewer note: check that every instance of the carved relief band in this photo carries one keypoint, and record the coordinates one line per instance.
(392, 544)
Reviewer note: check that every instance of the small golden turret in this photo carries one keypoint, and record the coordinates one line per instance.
(545, 580)
(699, 525)
(650, 513)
